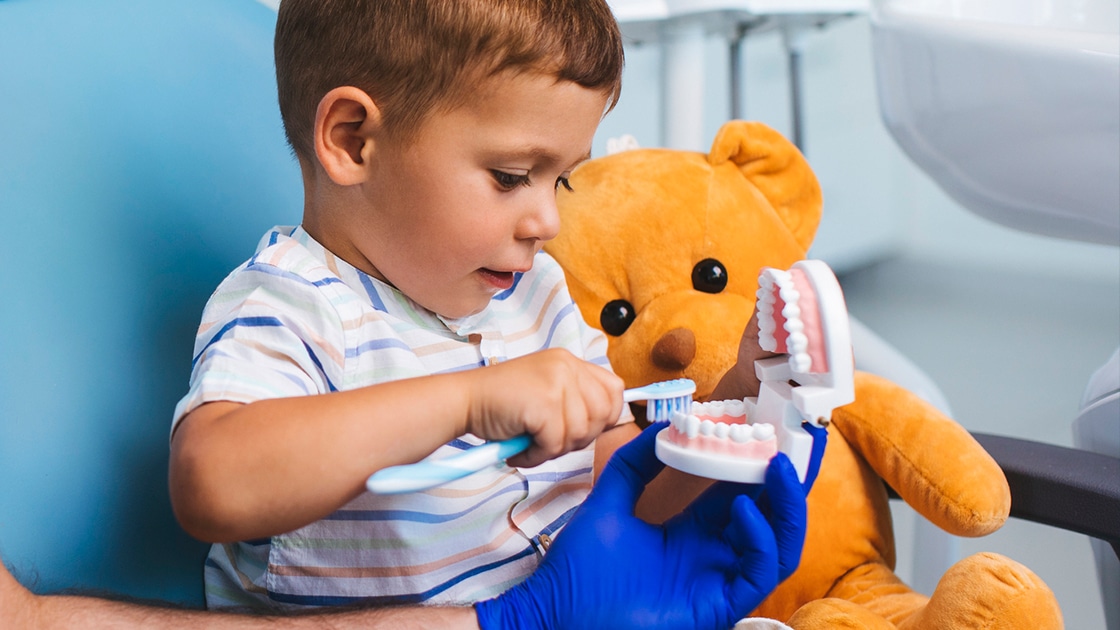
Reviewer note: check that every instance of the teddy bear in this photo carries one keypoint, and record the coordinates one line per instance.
(662, 250)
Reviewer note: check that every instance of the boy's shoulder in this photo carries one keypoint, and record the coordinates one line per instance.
(282, 265)
(290, 251)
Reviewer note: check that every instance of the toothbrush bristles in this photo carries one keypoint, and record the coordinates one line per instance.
(663, 409)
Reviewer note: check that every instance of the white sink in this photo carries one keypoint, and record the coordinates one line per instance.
(1011, 106)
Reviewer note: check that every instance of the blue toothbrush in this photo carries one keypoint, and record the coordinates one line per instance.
(664, 399)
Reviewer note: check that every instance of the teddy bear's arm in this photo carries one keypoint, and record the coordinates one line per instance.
(932, 462)
(741, 380)
(610, 441)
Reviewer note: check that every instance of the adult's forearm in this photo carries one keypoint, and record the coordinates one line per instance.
(66, 612)
(19, 608)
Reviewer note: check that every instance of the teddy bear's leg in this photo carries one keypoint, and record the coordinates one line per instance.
(989, 591)
(874, 587)
(831, 613)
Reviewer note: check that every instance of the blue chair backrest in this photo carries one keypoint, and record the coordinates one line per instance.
(141, 157)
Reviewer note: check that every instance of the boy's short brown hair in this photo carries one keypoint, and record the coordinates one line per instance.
(415, 56)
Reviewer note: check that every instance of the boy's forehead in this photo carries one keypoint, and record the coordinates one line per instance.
(519, 113)
(478, 85)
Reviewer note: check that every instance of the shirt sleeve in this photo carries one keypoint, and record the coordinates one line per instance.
(265, 333)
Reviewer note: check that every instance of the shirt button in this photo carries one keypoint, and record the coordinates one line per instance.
(544, 541)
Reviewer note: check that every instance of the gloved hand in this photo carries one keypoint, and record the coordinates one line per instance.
(705, 568)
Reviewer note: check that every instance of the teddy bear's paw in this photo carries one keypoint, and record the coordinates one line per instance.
(832, 613)
(990, 591)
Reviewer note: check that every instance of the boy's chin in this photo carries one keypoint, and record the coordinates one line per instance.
(462, 309)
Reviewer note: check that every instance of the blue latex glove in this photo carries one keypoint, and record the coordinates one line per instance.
(705, 568)
(820, 440)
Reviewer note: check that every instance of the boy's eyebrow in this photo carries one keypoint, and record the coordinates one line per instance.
(536, 153)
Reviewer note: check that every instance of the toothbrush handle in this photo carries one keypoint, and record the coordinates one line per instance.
(645, 393)
(430, 473)
(632, 395)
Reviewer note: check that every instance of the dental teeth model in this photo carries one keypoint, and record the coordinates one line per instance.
(801, 316)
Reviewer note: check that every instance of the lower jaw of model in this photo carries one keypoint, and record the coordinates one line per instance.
(722, 427)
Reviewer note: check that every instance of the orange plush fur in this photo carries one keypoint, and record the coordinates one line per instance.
(634, 228)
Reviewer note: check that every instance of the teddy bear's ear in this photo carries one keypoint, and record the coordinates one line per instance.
(622, 143)
(777, 169)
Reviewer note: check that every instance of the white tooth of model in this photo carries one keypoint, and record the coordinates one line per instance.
(762, 431)
(692, 426)
(797, 342)
(740, 433)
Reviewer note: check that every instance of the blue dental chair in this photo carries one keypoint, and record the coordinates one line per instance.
(141, 157)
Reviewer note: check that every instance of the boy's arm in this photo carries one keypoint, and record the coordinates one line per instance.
(247, 471)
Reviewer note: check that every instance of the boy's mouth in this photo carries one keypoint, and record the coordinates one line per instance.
(501, 280)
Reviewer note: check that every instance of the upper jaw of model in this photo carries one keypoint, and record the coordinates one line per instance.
(783, 325)
(801, 316)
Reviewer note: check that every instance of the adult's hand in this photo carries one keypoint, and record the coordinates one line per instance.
(705, 568)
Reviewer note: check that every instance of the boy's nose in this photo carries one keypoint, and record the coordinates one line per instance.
(542, 219)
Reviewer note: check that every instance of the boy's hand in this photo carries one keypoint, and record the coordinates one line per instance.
(705, 568)
(561, 401)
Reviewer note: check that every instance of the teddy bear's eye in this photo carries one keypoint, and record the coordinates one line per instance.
(709, 276)
(616, 317)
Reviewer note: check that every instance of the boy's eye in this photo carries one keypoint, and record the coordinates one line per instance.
(563, 181)
(509, 181)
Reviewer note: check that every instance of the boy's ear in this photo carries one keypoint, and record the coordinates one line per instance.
(345, 123)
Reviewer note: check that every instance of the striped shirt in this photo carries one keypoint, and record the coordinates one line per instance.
(296, 320)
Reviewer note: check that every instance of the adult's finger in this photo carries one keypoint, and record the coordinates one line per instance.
(712, 509)
(820, 440)
(757, 572)
(788, 512)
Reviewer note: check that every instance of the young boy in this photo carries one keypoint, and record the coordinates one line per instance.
(431, 135)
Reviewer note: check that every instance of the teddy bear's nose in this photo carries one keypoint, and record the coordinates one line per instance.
(675, 350)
